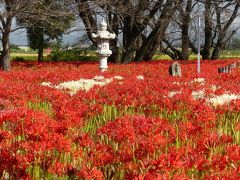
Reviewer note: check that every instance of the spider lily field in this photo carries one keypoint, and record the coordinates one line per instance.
(135, 121)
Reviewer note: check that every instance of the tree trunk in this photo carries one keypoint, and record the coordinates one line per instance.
(115, 56)
(145, 45)
(223, 31)
(216, 53)
(132, 29)
(185, 43)
(152, 42)
(130, 36)
(86, 15)
(40, 48)
(206, 52)
(128, 55)
(113, 19)
(185, 28)
(5, 56)
(174, 53)
(217, 50)
(40, 54)
(149, 51)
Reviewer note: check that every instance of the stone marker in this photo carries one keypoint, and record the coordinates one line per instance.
(228, 68)
(233, 65)
(238, 64)
(221, 70)
(225, 69)
(175, 69)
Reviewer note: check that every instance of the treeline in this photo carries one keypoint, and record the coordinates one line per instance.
(142, 27)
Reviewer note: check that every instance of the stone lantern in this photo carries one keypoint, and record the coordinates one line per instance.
(102, 37)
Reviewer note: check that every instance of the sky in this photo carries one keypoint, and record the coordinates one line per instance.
(19, 37)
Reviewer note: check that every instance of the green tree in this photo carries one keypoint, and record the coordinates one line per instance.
(235, 44)
(36, 40)
(41, 31)
(40, 38)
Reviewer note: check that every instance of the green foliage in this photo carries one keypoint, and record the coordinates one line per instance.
(19, 59)
(35, 37)
(24, 58)
(16, 49)
(235, 44)
(56, 44)
(71, 55)
(22, 51)
(14, 46)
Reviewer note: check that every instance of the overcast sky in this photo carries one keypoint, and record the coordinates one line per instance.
(19, 37)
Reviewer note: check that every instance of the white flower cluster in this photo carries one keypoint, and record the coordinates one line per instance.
(212, 99)
(198, 94)
(118, 77)
(172, 93)
(82, 84)
(214, 87)
(215, 100)
(46, 84)
(222, 99)
(198, 80)
(140, 77)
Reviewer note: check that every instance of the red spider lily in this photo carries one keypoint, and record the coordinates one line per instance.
(209, 141)
(203, 115)
(103, 155)
(160, 130)
(4, 135)
(84, 140)
(202, 164)
(233, 152)
(57, 168)
(88, 174)
(125, 152)
(219, 163)
(120, 130)
(237, 126)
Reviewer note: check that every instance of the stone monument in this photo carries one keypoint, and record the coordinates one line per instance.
(102, 37)
(225, 69)
(229, 68)
(175, 69)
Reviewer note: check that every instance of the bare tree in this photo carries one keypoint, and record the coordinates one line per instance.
(139, 24)
(151, 43)
(219, 16)
(178, 34)
(226, 13)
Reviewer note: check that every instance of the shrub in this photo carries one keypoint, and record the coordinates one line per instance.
(70, 55)
(19, 59)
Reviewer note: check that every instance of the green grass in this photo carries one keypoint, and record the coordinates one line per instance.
(226, 54)
(25, 56)
(41, 106)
